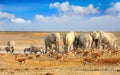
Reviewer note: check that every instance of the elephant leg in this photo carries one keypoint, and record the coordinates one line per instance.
(89, 44)
(80, 45)
(72, 47)
(92, 43)
(69, 47)
(45, 49)
(75, 46)
(86, 45)
(57, 47)
(66, 48)
(97, 44)
(104, 46)
(50, 46)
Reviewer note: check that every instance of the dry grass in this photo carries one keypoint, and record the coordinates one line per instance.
(49, 65)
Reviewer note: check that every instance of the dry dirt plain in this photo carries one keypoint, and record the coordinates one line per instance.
(45, 65)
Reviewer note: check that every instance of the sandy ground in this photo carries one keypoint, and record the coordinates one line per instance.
(46, 65)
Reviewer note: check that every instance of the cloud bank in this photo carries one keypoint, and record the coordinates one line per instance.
(77, 18)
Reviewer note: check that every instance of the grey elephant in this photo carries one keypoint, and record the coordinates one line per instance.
(85, 41)
(69, 41)
(11, 46)
(104, 39)
(50, 39)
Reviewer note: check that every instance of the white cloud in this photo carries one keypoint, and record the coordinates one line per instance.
(19, 20)
(62, 7)
(39, 17)
(56, 4)
(114, 10)
(66, 9)
(84, 10)
(6, 15)
(77, 9)
(117, 6)
(7, 18)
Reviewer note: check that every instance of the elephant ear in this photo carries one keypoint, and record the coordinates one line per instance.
(51, 37)
(54, 36)
(101, 34)
(76, 36)
(58, 37)
(93, 33)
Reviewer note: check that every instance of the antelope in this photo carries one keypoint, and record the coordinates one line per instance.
(8, 49)
(20, 59)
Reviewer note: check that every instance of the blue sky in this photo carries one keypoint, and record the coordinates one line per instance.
(59, 15)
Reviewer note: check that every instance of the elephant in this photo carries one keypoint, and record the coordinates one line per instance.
(85, 41)
(69, 41)
(50, 39)
(11, 45)
(105, 39)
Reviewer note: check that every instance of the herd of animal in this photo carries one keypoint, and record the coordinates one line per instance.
(73, 41)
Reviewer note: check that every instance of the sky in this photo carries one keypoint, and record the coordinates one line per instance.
(59, 15)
